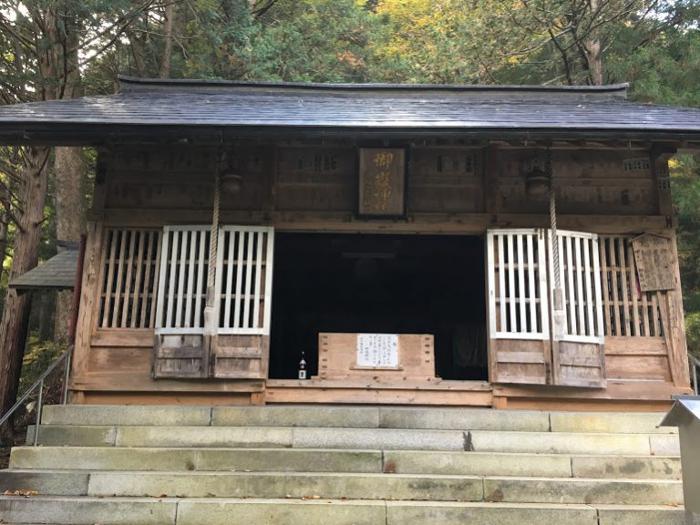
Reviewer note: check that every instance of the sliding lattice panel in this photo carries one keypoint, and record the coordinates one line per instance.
(183, 280)
(130, 262)
(517, 284)
(579, 271)
(244, 280)
(627, 310)
(578, 357)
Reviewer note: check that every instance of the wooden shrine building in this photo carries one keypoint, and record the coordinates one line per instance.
(504, 246)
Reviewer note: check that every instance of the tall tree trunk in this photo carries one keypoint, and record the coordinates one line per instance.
(4, 221)
(15, 315)
(137, 52)
(34, 180)
(69, 171)
(594, 58)
(168, 39)
(594, 51)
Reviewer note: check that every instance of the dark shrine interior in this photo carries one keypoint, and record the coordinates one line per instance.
(410, 284)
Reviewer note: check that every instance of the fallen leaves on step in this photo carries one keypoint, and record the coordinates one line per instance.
(21, 492)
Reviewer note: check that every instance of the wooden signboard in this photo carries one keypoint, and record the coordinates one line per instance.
(377, 351)
(382, 182)
(379, 357)
(654, 259)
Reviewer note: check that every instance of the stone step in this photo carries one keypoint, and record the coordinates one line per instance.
(84, 511)
(339, 460)
(187, 459)
(531, 514)
(253, 437)
(352, 416)
(531, 464)
(305, 485)
(353, 438)
(165, 511)
(573, 443)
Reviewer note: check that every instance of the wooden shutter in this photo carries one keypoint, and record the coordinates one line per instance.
(578, 356)
(519, 345)
(180, 347)
(627, 311)
(244, 301)
(128, 280)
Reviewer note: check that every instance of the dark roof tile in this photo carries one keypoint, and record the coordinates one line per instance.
(158, 103)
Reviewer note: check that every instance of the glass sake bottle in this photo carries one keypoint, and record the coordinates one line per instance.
(302, 367)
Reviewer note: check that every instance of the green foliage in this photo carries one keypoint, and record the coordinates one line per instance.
(37, 358)
(692, 330)
(315, 41)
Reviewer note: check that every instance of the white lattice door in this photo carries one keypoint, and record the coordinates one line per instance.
(578, 356)
(180, 349)
(244, 302)
(519, 338)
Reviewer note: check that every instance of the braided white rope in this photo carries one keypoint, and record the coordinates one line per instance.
(557, 295)
(213, 238)
(554, 240)
(210, 320)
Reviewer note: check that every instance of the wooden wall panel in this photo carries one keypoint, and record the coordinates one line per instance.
(586, 181)
(519, 361)
(240, 356)
(123, 360)
(321, 179)
(445, 180)
(182, 179)
(648, 368)
(633, 358)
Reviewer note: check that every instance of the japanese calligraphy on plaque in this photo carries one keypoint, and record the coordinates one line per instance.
(377, 350)
(382, 181)
(654, 260)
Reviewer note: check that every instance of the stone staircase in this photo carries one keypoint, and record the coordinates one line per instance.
(322, 465)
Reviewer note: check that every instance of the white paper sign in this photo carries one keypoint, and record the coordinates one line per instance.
(378, 350)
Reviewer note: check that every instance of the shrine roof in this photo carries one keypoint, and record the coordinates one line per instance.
(148, 107)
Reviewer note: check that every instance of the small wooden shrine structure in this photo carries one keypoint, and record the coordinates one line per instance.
(508, 246)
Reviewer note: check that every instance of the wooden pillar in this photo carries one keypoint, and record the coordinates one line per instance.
(92, 264)
(490, 172)
(671, 302)
(659, 156)
(89, 301)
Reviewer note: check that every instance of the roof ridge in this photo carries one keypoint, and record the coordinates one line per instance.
(128, 83)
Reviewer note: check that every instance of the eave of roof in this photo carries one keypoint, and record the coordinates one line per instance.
(186, 109)
(58, 272)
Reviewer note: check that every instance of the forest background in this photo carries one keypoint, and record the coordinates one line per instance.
(55, 49)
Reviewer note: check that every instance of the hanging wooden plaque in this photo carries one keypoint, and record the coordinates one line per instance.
(382, 182)
(654, 259)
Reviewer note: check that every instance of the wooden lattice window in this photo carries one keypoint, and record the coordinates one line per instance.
(244, 279)
(517, 279)
(129, 278)
(627, 310)
(183, 279)
(579, 273)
